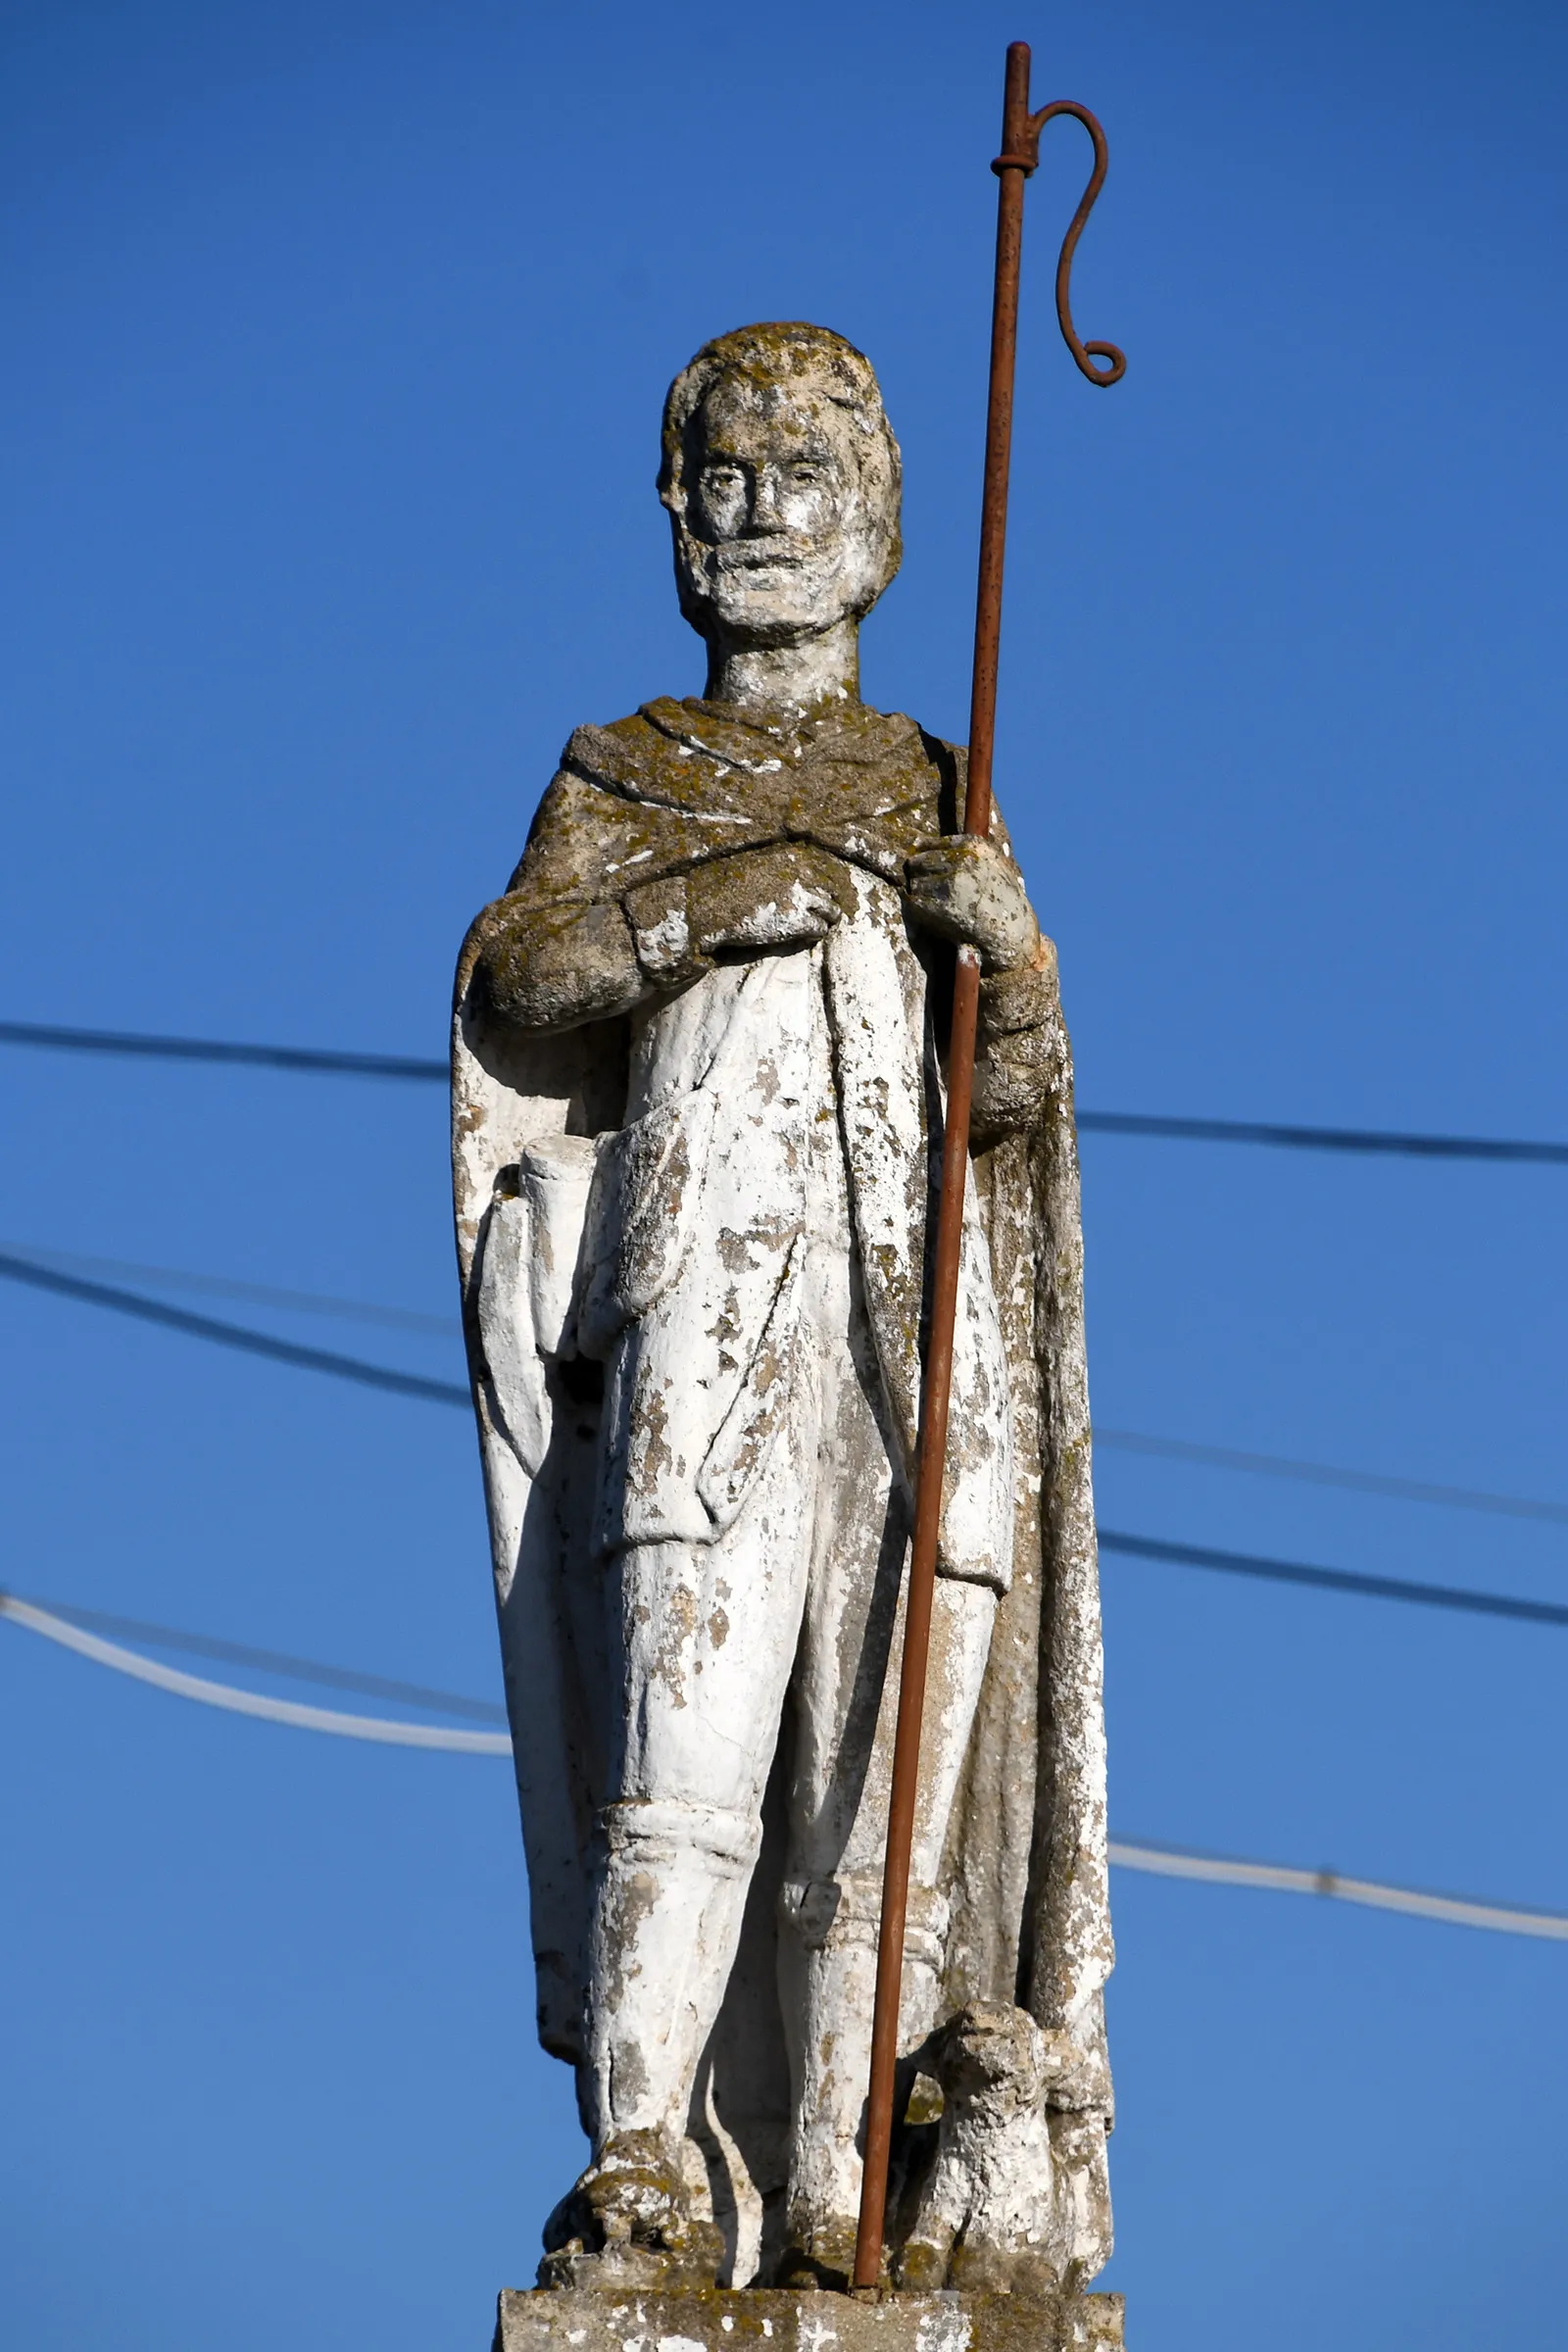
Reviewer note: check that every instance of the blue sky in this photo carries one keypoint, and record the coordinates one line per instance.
(337, 338)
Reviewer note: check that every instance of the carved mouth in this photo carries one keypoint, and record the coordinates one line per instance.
(760, 559)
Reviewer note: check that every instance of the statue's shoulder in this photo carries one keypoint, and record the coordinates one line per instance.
(620, 754)
(630, 801)
(665, 751)
(678, 781)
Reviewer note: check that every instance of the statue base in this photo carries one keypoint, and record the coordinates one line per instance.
(771, 2320)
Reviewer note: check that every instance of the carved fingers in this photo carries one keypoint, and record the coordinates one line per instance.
(751, 903)
(969, 891)
(788, 896)
(1022, 1051)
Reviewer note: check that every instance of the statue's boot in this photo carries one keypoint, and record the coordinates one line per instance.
(628, 2223)
(669, 1906)
(828, 1968)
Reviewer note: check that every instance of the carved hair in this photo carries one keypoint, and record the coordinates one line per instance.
(785, 353)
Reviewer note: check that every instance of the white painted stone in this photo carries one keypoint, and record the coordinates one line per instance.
(693, 1154)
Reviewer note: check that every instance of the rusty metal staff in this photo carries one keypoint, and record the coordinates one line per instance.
(1020, 153)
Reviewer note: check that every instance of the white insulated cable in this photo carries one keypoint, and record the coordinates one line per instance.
(248, 1703)
(1166, 1862)
(1160, 1861)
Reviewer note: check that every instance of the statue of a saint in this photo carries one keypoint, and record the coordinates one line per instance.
(697, 1092)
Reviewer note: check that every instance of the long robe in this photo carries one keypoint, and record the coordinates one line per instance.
(634, 812)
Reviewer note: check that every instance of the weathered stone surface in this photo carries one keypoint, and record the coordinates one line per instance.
(698, 1089)
(769, 2322)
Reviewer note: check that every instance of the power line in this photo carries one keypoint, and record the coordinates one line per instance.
(1160, 1861)
(1328, 1474)
(1388, 1142)
(224, 1286)
(444, 1392)
(232, 1335)
(1457, 1910)
(324, 1061)
(1127, 1441)
(1334, 1580)
(330, 1064)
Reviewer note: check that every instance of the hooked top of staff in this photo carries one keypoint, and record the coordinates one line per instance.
(1020, 152)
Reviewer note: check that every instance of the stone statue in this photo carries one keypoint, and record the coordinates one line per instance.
(697, 1094)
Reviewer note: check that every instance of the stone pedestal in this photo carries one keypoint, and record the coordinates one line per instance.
(753, 2319)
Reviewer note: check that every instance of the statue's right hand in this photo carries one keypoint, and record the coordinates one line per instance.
(555, 967)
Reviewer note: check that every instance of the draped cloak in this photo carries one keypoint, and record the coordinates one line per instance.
(634, 810)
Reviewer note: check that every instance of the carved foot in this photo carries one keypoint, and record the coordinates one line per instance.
(628, 2223)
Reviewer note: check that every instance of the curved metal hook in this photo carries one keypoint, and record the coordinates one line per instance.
(1084, 352)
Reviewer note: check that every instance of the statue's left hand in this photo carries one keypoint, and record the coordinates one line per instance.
(969, 891)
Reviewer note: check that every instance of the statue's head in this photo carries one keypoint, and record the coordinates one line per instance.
(782, 479)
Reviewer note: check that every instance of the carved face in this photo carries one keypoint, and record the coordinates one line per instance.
(777, 541)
